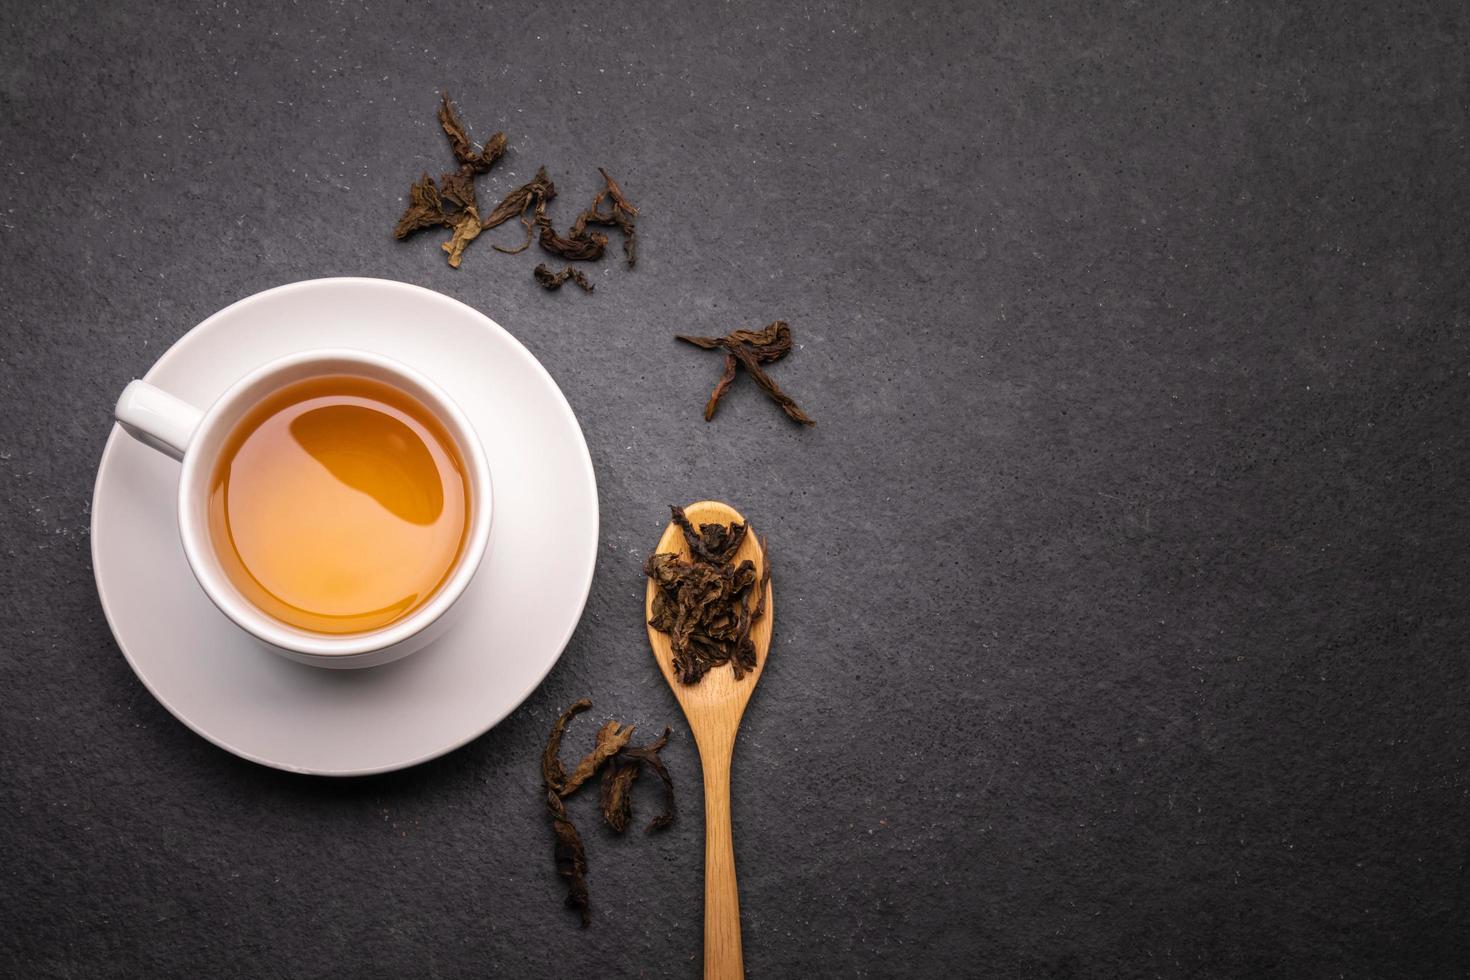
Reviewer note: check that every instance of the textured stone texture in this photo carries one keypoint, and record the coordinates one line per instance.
(1122, 589)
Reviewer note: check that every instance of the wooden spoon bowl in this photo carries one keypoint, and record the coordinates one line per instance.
(713, 708)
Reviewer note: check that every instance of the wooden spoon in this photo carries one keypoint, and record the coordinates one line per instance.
(713, 708)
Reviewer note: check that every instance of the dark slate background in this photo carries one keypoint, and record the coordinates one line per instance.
(1123, 586)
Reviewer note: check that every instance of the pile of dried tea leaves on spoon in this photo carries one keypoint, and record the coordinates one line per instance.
(706, 604)
(620, 763)
(452, 203)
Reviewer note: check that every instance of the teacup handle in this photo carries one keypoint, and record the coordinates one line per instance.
(156, 418)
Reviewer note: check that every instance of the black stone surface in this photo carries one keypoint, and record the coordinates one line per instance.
(1122, 598)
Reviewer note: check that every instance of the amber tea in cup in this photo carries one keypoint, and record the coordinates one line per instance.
(339, 504)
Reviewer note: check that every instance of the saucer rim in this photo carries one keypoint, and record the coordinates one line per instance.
(589, 573)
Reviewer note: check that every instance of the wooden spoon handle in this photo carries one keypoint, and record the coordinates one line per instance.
(722, 956)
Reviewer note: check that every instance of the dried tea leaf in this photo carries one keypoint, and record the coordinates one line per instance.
(425, 209)
(745, 354)
(764, 588)
(454, 128)
(622, 216)
(579, 231)
(586, 247)
(458, 188)
(553, 773)
(466, 230)
(774, 339)
(570, 855)
(616, 193)
(493, 150)
(616, 797)
(517, 202)
(708, 343)
(649, 755)
(611, 738)
(530, 197)
(727, 378)
(744, 658)
(751, 349)
(459, 139)
(704, 604)
(622, 772)
(553, 280)
(571, 858)
(579, 244)
(714, 544)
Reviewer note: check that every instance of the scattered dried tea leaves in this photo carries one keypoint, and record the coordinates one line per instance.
(750, 349)
(620, 764)
(706, 605)
(553, 280)
(452, 203)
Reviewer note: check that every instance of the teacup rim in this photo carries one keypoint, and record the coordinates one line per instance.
(341, 649)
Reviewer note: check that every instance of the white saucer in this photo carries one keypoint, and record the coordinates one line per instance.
(522, 607)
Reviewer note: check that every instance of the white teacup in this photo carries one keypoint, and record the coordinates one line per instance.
(171, 426)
